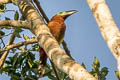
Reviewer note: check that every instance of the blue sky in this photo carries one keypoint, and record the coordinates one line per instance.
(83, 37)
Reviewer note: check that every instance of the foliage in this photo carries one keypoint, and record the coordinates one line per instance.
(117, 75)
(2, 8)
(100, 74)
(23, 66)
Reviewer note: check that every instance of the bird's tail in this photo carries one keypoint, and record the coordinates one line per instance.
(42, 63)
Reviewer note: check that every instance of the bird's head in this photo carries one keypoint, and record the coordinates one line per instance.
(65, 14)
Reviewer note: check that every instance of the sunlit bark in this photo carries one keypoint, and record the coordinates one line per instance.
(107, 26)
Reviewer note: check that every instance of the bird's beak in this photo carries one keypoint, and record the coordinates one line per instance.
(68, 13)
(65, 14)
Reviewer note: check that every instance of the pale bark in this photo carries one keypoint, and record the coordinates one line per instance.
(50, 45)
(107, 26)
(4, 55)
(15, 23)
(8, 47)
(4, 1)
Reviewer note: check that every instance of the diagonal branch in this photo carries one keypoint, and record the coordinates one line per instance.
(107, 26)
(18, 44)
(5, 1)
(15, 23)
(41, 10)
(4, 55)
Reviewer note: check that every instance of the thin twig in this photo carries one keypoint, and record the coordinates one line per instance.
(55, 70)
(18, 44)
(15, 23)
(41, 10)
(3, 57)
(2, 42)
(66, 49)
(6, 35)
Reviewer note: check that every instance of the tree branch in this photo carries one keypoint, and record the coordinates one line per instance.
(18, 44)
(50, 45)
(4, 55)
(107, 26)
(5, 1)
(66, 48)
(15, 23)
(41, 10)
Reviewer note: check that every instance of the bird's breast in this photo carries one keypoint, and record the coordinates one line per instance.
(57, 28)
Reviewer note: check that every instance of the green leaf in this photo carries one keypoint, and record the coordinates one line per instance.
(24, 70)
(26, 37)
(62, 75)
(2, 33)
(50, 76)
(93, 72)
(17, 34)
(83, 65)
(30, 59)
(7, 27)
(35, 47)
(7, 62)
(34, 70)
(2, 8)
(33, 37)
(15, 76)
(16, 16)
(31, 77)
(104, 71)
(21, 58)
(10, 60)
(6, 18)
(117, 75)
(13, 50)
(15, 57)
(96, 64)
(30, 63)
(18, 30)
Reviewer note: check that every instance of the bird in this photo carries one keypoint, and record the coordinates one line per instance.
(57, 27)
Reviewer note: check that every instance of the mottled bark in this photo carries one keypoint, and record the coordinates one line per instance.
(8, 47)
(107, 26)
(5, 1)
(4, 55)
(15, 23)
